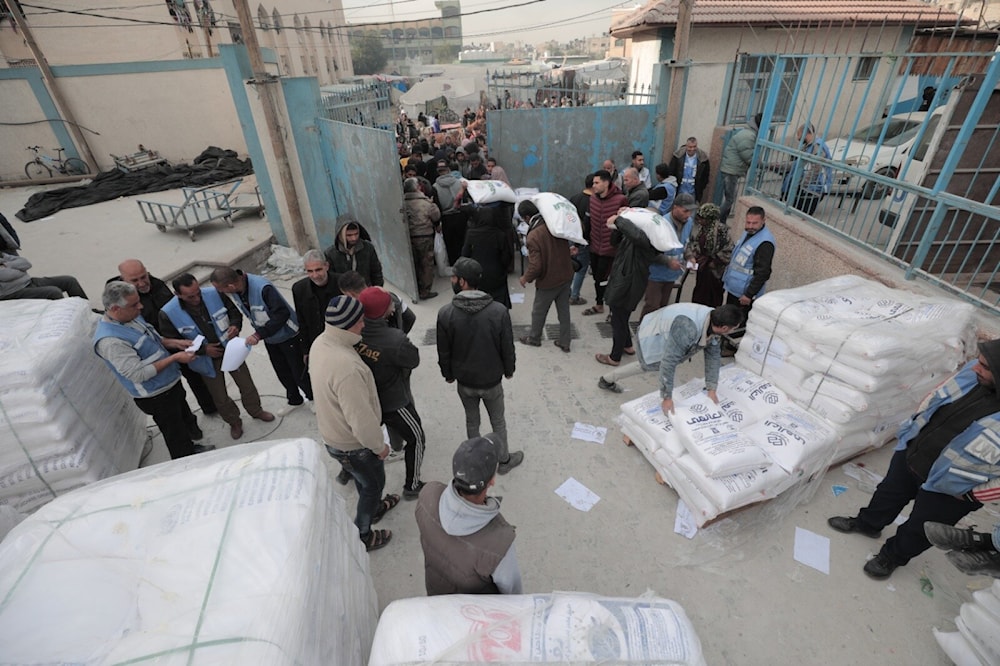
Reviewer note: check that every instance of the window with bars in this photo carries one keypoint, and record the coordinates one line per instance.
(751, 83)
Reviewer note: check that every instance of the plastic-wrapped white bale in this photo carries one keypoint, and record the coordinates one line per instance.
(535, 629)
(65, 421)
(561, 216)
(794, 439)
(489, 191)
(711, 439)
(647, 413)
(701, 507)
(661, 234)
(954, 645)
(977, 641)
(748, 397)
(735, 490)
(244, 555)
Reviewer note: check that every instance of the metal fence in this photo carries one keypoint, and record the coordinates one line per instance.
(365, 104)
(515, 89)
(900, 154)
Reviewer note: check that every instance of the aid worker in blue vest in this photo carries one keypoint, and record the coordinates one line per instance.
(195, 311)
(142, 362)
(749, 270)
(274, 322)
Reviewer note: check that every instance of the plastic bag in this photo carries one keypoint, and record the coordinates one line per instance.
(284, 261)
(441, 255)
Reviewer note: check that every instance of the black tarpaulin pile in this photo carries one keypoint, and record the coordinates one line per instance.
(214, 165)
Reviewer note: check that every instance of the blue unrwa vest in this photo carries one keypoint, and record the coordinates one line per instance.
(740, 270)
(147, 344)
(655, 326)
(258, 311)
(185, 325)
(661, 273)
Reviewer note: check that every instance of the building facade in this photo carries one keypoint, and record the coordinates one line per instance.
(419, 42)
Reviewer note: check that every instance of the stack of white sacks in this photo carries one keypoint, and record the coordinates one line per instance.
(559, 628)
(65, 421)
(244, 555)
(977, 641)
(824, 372)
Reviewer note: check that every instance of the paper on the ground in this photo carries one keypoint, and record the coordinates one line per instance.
(589, 433)
(578, 495)
(692, 265)
(901, 518)
(517, 298)
(684, 523)
(812, 550)
(861, 473)
(196, 344)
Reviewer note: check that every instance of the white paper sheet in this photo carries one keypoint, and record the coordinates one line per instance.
(684, 523)
(517, 298)
(578, 495)
(589, 433)
(237, 351)
(196, 344)
(812, 550)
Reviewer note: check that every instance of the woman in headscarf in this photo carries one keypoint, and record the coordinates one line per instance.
(711, 248)
(487, 242)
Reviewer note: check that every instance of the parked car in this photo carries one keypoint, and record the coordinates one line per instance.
(863, 150)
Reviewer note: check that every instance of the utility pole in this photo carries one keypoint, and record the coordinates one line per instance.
(50, 82)
(295, 227)
(678, 72)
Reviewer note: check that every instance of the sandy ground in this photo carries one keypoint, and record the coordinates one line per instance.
(749, 600)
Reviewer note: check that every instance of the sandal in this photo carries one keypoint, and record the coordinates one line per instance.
(593, 310)
(388, 502)
(565, 348)
(606, 360)
(377, 539)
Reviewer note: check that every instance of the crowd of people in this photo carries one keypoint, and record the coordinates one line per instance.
(341, 346)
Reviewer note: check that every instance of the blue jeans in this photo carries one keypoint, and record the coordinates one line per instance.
(493, 399)
(583, 256)
(368, 472)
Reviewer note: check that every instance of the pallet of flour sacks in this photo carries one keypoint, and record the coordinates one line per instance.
(752, 446)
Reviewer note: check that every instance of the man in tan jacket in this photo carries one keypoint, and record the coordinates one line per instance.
(551, 269)
(349, 414)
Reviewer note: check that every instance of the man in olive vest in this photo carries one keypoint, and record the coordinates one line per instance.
(468, 546)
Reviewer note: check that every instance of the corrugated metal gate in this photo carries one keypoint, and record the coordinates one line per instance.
(554, 149)
(363, 169)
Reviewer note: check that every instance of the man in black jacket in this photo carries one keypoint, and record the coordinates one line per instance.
(392, 357)
(311, 295)
(689, 165)
(475, 344)
(352, 251)
(154, 294)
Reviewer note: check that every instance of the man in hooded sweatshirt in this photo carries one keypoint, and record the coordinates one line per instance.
(475, 345)
(468, 546)
(448, 193)
(351, 252)
(946, 461)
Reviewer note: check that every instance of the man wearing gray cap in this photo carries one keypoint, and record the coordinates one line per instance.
(475, 344)
(349, 414)
(468, 546)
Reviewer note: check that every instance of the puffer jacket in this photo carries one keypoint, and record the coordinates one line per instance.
(600, 210)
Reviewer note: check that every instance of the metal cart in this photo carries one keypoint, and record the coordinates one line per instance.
(201, 205)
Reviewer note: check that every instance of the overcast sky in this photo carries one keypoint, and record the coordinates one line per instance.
(561, 20)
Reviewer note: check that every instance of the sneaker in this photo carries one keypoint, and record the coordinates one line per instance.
(414, 492)
(953, 538)
(852, 526)
(429, 295)
(881, 566)
(609, 386)
(515, 459)
(576, 300)
(395, 455)
(976, 563)
(344, 477)
(531, 342)
(202, 448)
(197, 434)
(289, 408)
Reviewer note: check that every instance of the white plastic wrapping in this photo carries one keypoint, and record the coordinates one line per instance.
(540, 628)
(65, 421)
(244, 555)
(714, 441)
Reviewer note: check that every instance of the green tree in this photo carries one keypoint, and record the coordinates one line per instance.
(444, 54)
(368, 55)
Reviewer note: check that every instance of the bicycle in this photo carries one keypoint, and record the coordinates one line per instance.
(42, 165)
